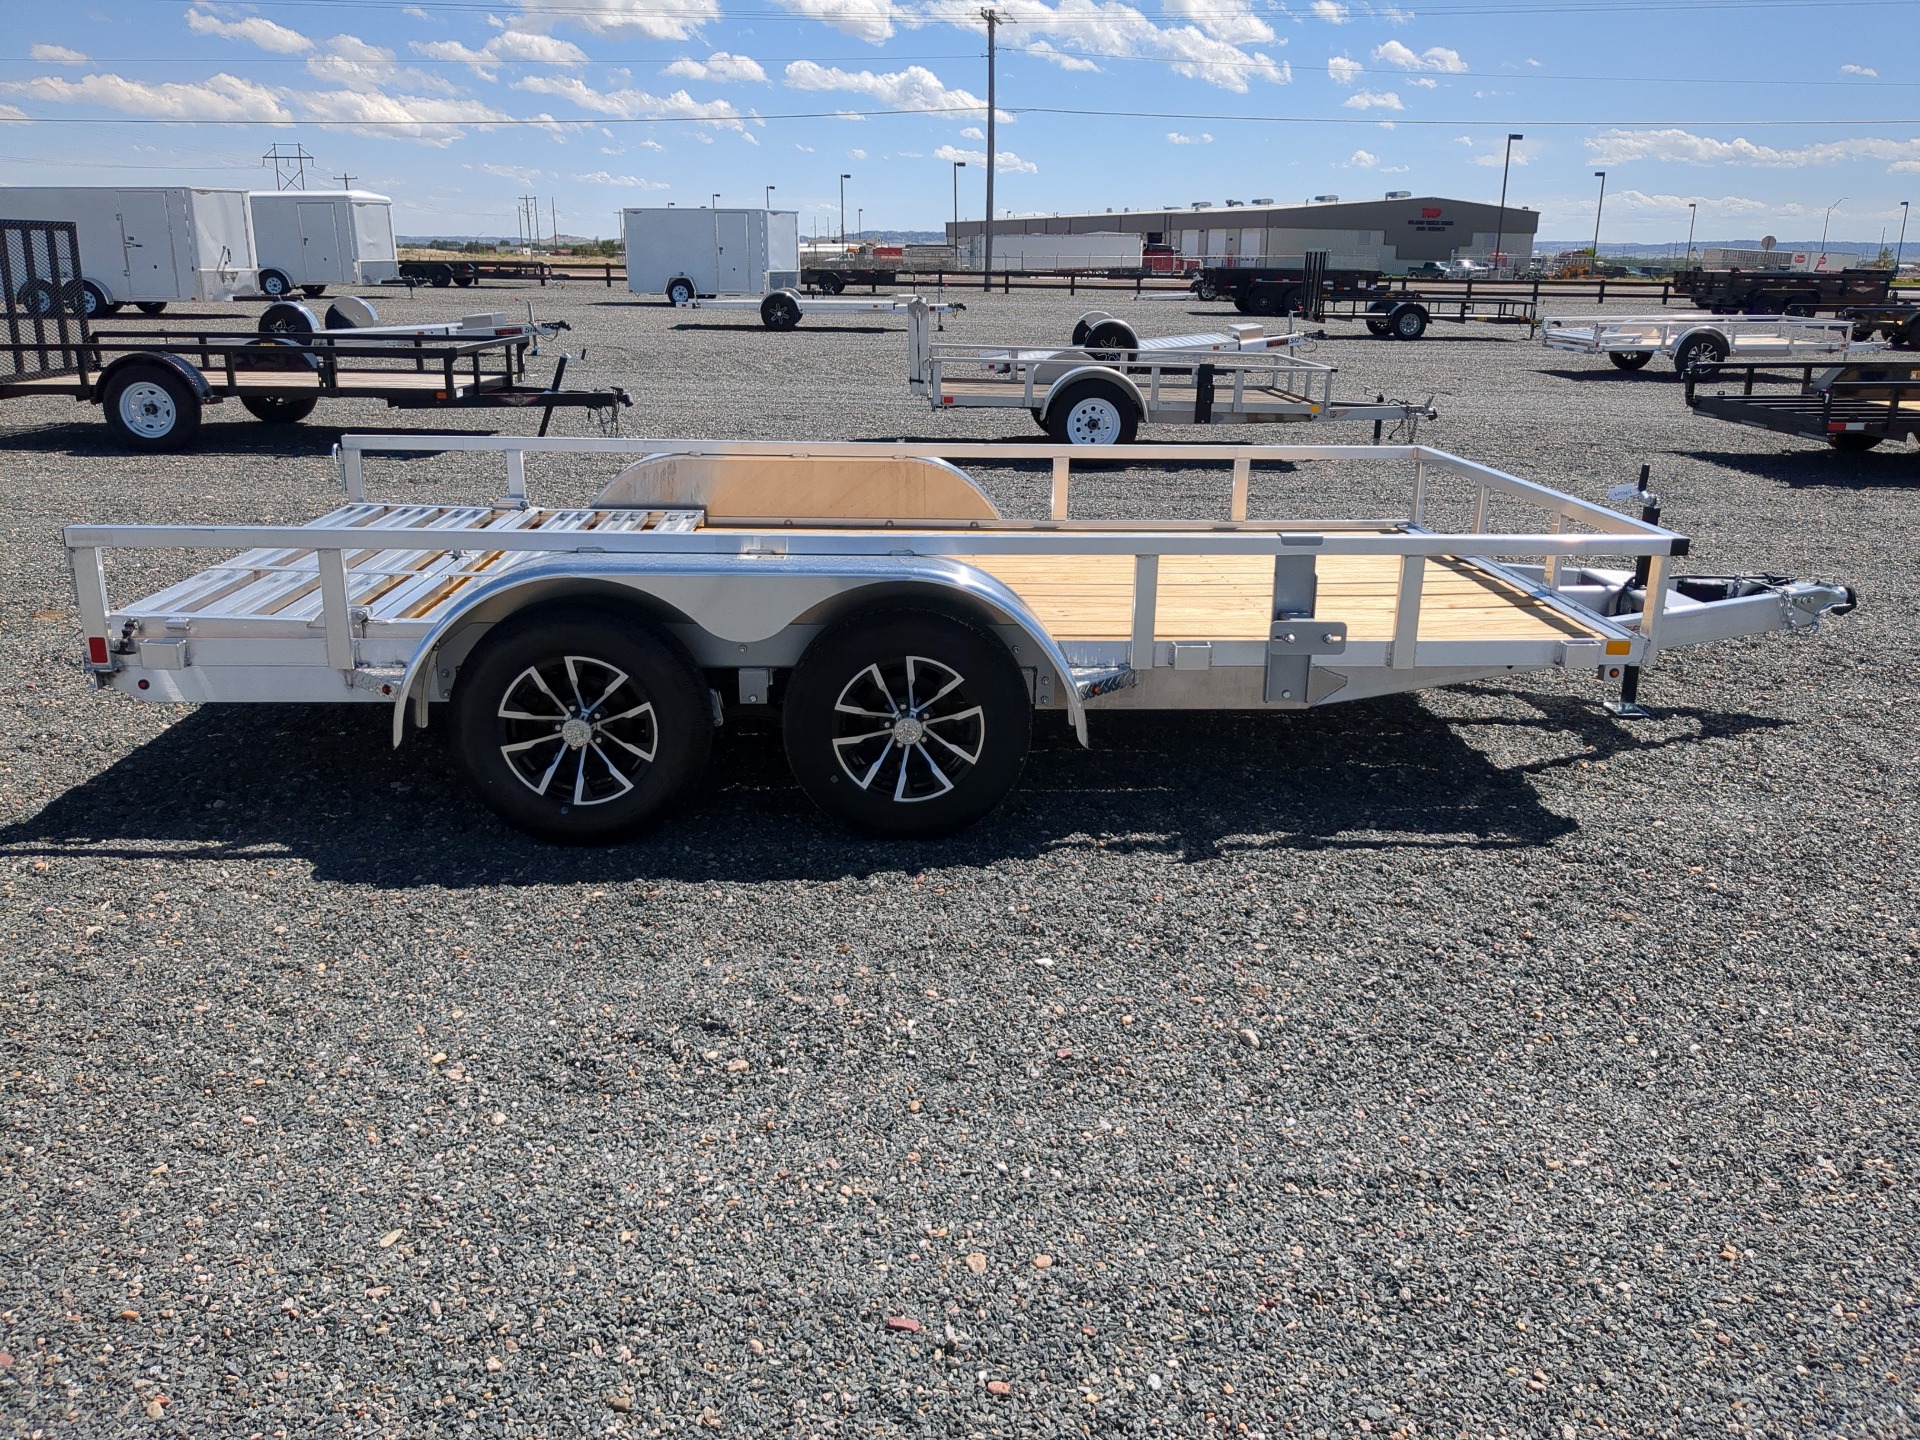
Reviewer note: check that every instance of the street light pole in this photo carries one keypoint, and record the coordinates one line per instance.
(958, 166)
(1693, 214)
(843, 209)
(1598, 206)
(1824, 223)
(1900, 249)
(716, 199)
(770, 190)
(859, 222)
(1500, 234)
(994, 21)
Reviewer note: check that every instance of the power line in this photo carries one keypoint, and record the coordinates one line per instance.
(1473, 7)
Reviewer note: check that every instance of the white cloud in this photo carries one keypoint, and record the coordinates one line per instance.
(1420, 82)
(1174, 137)
(1436, 57)
(220, 97)
(869, 20)
(519, 174)
(1362, 160)
(1052, 56)
(1682, 147)
(1466, 140)
(631, 104)
(1394, 15)
(653, 19)
(1344, 69)
(973, 132)
(803, 149)
(1231, 20)
(503, 48)
(1494, 159)
(626, 182)
(1004, 161)
(12, 112)
(352, 63)
(428, 120)
(719, 67)
(415, 11)
(1330, 11)
(1731, 206)
(1533, 62)
(253, 29)
(56, 55)
(1866, 70)
(856, 154)
(1373, 100)
(914, 88)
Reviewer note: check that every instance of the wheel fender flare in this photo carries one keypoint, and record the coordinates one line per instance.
(712, 591)
(166, 359)
(1099, 372)
(104, 288)
(1711, 331)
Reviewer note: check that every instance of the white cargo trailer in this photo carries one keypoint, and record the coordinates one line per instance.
(146, 245)
(689, 255)
(310, 239)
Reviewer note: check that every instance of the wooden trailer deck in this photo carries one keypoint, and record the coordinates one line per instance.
(404, 588)
(358, 383)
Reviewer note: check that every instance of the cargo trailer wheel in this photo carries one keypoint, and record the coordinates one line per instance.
(83, 297)
(274, 285)
(313, 292)
(1852, 442)
(907, 724)
(38, 297)
(1698, 350)
(679, 292)
(1407, 322)
(1092, 412)
(780, 311)
(150, 407)
(1630, 359)
(150, 307)
(578, 725)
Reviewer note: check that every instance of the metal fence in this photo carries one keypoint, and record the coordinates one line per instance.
(45, 313)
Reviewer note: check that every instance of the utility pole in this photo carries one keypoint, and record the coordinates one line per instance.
(346, 181)
(994, 21)
(289, 167)
(1500, 234)
(844, 177)
(530, 219)
(553, 212)
(1901, 248)
(958, 166)
(1693, 214)
(1829, 220)
(1599, 205)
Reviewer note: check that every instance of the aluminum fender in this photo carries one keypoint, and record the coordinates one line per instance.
(1673, 345)
(720, 594)
(1102, 372)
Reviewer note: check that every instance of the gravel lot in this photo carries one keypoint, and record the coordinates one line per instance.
(1462, 1064)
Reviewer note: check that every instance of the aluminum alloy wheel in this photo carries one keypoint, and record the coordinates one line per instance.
(577, 730)
(909, 727)
(148, 410)
(1095, 420)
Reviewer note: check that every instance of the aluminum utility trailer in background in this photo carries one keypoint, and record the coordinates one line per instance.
(1691, 339)
(1854, 407)
(904, 629)
(1320, 291)
(1101, 391)
(784, 309)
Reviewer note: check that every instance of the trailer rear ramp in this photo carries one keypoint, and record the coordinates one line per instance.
(874, 593)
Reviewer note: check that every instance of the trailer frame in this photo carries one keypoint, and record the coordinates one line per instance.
(1693, 338)
(1852, 407)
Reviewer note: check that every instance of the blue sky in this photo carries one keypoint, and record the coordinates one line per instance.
(1763, 112)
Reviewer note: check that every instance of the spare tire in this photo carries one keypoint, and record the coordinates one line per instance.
(1112, 340)
(350, 312)
(1084, 325)
(288, 317)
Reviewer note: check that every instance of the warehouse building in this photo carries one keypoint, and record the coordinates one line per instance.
(1389, 234)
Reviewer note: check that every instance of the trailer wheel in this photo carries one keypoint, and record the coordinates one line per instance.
(287, 317)
(830, 283)
(1203, 290)
(1084, 326)
(1407, 322)
(680, 292)
(1698, 350)
(1243, 303)
(1801, 305)
(1852, 442)
(275, 285)
(907, 724)
(440, 277)
(1630, 359)
(1909, 336)
(1269, 298)
(313, 292)
(350, 312)
(151, 408)
(38, 297)
(780, 311)
(150, 307)
(278, 353)
(1092, 412)
(1112, 340)
(1376, 319)
(579, 725)
(463, 281)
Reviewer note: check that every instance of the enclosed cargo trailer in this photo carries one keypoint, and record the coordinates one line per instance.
(310, 239)
(147, 245)
(689, 255)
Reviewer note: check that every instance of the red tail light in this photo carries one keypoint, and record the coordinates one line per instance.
(97, 649)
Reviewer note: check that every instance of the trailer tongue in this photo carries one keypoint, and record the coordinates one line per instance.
(905, 628)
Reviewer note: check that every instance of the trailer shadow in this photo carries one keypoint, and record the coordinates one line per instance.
(1614, 375)
(803, 329)
(93, 439)
(1817, 465)
(322, 785)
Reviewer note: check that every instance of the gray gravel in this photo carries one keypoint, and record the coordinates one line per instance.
(1464, 1064)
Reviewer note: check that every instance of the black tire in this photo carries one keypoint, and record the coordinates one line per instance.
(313, 292)
(38, 297)
(277, 353)
(1698, 350)
(1267, 298)
(350, 312)
(149, 307)
(1800, 305)
(680, 292)
(463, 281)
(150, 407)
(1203, 290)
(1630, 359)
(1092, 412)
(1852, 442)
(1243, 303)
(440, 278)
(973, 737)
(1375, 319)
(280, 409)
(83, 297)
(830, 284)
(275, 284)
(1084, 326)
(655, 745)
(779, 311)
(1112, 339)
(287, 317)
(1909, 335)
(1407, 322)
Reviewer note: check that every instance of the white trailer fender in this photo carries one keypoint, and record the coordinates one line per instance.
(741, 599)
(1101, 372)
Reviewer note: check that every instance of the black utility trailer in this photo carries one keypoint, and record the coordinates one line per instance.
(1738, 291)
(1853, 407)
(153, 385)
(1320, 292)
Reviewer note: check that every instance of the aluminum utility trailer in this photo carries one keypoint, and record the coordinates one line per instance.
(1696, 338)
(873, 594)
(783, 309)
(152, 385)
(1853, 407)
(1101, 391)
